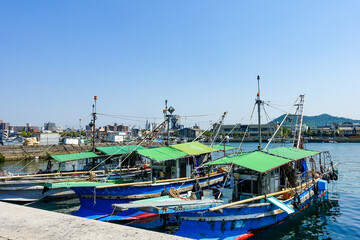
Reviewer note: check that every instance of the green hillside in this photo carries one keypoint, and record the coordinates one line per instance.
(320, 120)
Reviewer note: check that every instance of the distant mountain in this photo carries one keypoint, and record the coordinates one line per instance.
(320, 120)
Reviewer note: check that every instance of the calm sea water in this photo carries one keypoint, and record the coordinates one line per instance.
(335, 217)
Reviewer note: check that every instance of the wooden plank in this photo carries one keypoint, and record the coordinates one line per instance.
(158, 181)
(163, 203)
(281, 205)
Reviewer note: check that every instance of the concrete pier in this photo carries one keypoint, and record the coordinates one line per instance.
(20, 222)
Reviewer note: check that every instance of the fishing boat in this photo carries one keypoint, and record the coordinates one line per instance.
(25, 187)
(267, 186)
(30, 187)
(170, 166)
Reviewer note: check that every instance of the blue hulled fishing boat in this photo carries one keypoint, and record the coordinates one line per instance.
(171, 167)
(266, 187)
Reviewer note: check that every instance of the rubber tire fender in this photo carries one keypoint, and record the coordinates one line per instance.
(316, 189)
(164, 192)
(196, 187)
(334, 176)
(297, 201)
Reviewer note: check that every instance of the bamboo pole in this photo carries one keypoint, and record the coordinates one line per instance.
(57, 174)
(148, 182)
(263, 196)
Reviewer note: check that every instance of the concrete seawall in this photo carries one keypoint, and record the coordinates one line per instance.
(20, 222)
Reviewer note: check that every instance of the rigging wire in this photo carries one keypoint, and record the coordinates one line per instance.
(247, 128)
(281, 124)
(206, 130)
(202, 115)
(268, 104)
(138, 145)
(268, 118)
(126, 116)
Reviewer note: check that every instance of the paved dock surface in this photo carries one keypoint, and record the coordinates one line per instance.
(20, 222)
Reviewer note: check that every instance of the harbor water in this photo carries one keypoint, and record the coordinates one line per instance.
(337, 216)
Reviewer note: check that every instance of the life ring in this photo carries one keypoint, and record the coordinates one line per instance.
(164, 192)
(296, 201)
(326, 177)
(196, 187)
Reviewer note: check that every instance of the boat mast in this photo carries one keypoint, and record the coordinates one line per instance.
(301, 113)
(167, 116)
(167, 121)
(259, 102)
(93, 123)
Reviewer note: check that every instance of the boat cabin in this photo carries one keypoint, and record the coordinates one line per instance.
(267, 171)
(176, 161)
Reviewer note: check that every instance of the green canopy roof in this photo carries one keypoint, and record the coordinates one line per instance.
(258, 161)
(162, 153)
(73, 156)
(291, 152)
(193, 148)
(119, 149)
(221, 147)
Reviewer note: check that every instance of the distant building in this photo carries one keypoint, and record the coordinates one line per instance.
(348, 129)
(238, 130)
(34, 129)
(135, 132)
(150, 125)
(345, 129)
(117, 128)
(48, 138)
(189, 132)
(115, 136)
(18, 128)
(49, 126)
(58, 129)
(4, 126)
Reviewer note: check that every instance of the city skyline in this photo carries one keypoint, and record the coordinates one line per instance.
(202, 57)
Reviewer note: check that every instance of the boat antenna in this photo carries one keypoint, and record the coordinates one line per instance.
(259, 102)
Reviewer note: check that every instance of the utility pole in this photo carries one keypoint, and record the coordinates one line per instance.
(259, 102)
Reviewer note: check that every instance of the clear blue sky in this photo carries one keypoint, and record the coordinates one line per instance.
(203, 56)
